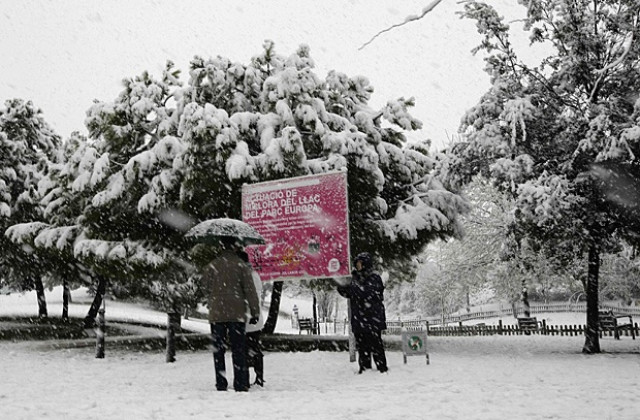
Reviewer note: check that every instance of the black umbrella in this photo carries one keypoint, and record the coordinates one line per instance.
(214, 230)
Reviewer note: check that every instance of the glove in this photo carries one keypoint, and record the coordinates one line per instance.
(341, 282)
(253, 320)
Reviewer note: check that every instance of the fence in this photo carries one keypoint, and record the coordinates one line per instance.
(536, 308)
(340, 327)
(329, 326)
(396, 327)
(500, 329)
(435, 328)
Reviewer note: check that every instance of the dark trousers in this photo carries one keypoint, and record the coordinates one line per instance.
(255, 357)
(235, 331)
(369, 344)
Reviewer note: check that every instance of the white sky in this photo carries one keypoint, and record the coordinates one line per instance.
(63, 55)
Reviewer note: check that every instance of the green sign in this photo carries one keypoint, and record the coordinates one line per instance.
(415, 343)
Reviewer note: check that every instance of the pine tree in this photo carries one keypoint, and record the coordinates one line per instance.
(163, 157)
(126, 242)
(27, 146)
(551, 135)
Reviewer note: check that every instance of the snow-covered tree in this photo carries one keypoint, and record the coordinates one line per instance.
(545, 133)
(134, 182)
(620, 271)
(458, 270)
(275, 118)
(440, 291)
(66, 191)
(27, 146)
(162, 157)
(94, 223)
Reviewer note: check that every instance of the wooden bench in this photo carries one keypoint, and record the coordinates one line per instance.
(305, 324)
(528, 324)
(608, 321)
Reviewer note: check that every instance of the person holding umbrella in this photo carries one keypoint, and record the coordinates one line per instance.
(232, 295)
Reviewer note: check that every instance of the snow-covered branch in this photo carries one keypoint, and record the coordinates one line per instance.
(601, 72)
(625, 52)
(425, 179)
(408, 19)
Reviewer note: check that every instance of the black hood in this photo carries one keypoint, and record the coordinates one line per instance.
(366, 259)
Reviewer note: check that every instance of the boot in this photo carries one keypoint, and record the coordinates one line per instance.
(259, 369)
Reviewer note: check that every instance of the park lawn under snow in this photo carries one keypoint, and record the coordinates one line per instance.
(492, 377)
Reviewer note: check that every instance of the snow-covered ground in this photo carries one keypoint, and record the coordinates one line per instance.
(492, 377)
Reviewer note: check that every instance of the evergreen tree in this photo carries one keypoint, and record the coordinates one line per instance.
(285, 121)
(167, 157)
(548, 134)
(125, 242)
(27, 146)
(64, 195)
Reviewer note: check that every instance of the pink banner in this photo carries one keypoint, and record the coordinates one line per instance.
(305, 222)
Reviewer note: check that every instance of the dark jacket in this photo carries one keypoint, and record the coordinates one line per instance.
(231, 290)
(366, 293)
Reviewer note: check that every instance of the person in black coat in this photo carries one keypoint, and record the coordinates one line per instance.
(368, 319)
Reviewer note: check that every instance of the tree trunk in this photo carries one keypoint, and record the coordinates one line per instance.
(90, 319)
(42, 300)
(525, 299)
(592, 340)
(101, 332)
(66, 298)
(173, 327)
(352, 338)
(274, 308)
(315, 315)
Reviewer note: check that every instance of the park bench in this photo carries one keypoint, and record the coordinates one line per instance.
(608, 321)
(305, 324)
(528, 324)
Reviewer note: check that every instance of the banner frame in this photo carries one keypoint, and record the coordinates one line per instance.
(245, 186)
